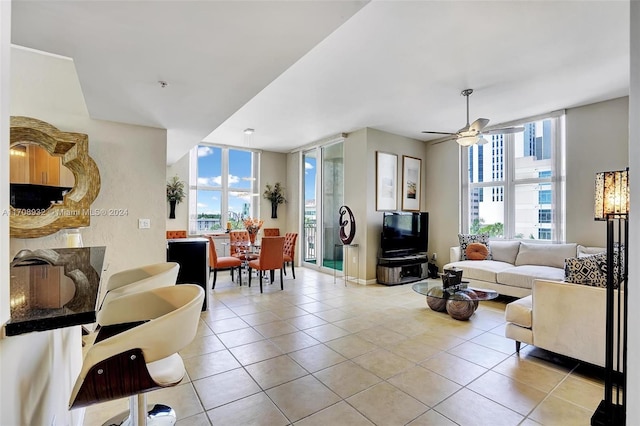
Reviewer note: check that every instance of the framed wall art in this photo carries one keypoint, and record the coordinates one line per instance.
(386, 181)
(411, 173)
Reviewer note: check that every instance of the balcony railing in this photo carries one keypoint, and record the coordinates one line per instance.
(309, 239)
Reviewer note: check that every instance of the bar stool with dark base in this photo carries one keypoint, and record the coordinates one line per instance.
(136, 351)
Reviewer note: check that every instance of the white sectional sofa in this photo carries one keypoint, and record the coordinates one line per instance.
(565, 318)
(515, 265)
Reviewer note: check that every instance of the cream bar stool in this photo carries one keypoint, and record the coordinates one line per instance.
(144, 356)
(137, 279)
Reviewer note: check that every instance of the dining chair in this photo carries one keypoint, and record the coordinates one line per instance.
(271, 232)
(269, 259)
(176, 234)
(222, 263)
(290, 239)
(141, 357)
(238, 243)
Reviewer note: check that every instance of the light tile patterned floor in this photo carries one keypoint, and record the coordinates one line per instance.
(321, 353)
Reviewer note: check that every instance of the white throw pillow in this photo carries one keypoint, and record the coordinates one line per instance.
(505, 251)
(545, 254)
(584, 251)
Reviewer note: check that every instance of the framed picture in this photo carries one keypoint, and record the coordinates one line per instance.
(386, 181)
(411, 172)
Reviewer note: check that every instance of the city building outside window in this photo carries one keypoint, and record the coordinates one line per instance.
(522, 179)
(223, 188)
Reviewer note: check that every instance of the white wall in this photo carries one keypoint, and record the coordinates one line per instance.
(443, 198)
(273, 168)
(38, 370)
(377, 140)
(597, 141)
(356, 194)
(181, 169)
(633, 394)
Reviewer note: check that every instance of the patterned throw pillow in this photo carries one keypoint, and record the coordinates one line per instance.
(466, 239)
(591, 270)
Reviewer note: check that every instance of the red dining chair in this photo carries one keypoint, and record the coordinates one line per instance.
(289, 251)
(238, 243)
(224, 262)
(270, 258)
(271, 232)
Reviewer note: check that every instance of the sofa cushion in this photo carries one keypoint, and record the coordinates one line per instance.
(481, 270)
(588, 251)
(545, 254)
(519, 312)
(477, 251)
(505, 251)
(466, 239)
(523, 276)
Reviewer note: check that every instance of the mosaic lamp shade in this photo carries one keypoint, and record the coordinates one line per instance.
(611, 194)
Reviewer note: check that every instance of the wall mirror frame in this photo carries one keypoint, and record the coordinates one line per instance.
(75, 209)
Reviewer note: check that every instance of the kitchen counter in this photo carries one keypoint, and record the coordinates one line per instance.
(54, 288)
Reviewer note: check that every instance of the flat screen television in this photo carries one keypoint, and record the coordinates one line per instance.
(404, 233)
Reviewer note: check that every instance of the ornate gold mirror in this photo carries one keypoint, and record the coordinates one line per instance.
(53, 181)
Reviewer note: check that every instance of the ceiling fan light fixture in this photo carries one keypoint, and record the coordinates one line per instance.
(467, 140)
(481, 139)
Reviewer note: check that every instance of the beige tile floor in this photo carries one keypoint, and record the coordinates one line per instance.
(322, 353)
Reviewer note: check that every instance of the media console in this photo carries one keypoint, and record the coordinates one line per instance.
(402, 269)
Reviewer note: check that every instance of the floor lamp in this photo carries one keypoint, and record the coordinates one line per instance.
(612, 206)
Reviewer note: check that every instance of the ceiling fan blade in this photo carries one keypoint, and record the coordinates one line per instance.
(439, 133)
(504, 131)
(479, 124)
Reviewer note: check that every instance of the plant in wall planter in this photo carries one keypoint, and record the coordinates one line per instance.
(175, 194)
(275, 194)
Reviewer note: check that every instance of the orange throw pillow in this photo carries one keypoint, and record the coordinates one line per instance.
(477, 251)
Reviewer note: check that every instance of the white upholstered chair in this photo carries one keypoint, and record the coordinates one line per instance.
(141, 353)
(138, 279)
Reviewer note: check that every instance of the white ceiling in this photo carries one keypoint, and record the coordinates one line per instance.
(299, 71)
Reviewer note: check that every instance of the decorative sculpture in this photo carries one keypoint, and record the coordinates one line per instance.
(351, 222)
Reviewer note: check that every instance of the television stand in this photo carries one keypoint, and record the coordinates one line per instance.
(402, 269)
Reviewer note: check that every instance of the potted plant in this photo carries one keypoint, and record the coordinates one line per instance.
(175, 194)
(275, 194)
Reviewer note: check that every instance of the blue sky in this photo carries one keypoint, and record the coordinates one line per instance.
(310, 173)
(210, 175)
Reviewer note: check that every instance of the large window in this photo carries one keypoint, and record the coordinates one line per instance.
(223, 185)
(513, 186)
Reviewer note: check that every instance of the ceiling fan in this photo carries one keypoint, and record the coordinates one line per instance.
(473, 133)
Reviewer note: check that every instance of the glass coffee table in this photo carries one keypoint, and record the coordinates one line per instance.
(460, 302)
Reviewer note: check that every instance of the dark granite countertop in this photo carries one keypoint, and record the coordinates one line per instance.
(54, 288)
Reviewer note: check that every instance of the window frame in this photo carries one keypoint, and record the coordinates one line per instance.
(509, 183)
(223, 188)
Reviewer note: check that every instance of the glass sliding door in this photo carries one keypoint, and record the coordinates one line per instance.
(323, 186)
(332, 199)
(309, 215)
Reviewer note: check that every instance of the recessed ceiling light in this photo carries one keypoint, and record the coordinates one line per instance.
(248, 131)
